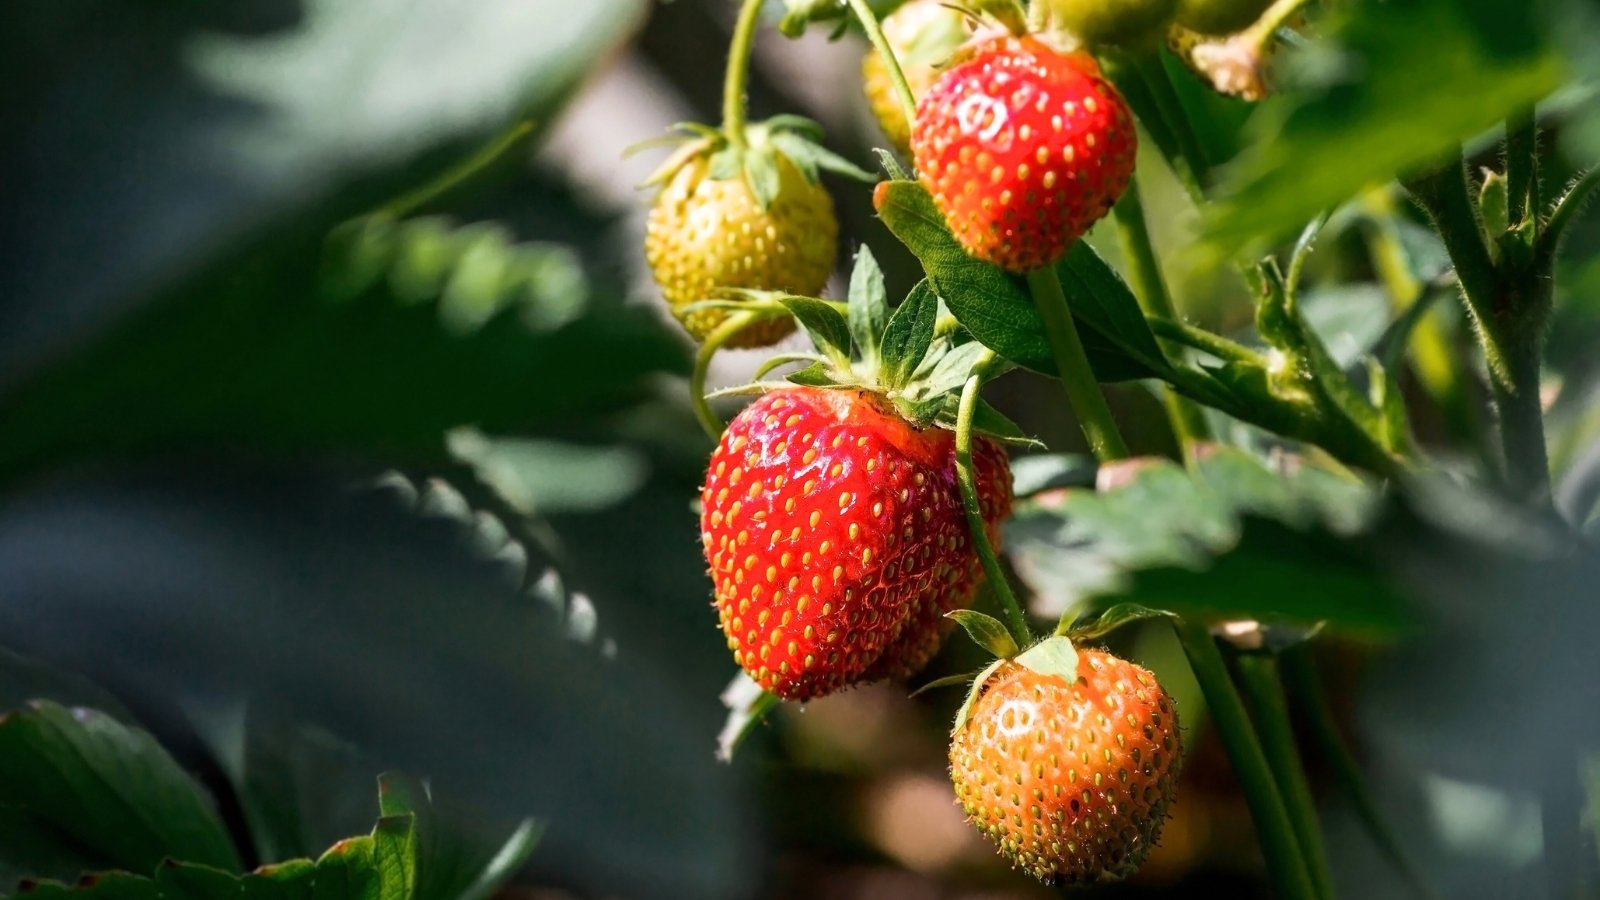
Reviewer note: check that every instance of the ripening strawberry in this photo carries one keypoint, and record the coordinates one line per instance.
(1071, 779)
(1023, 148)
(706, 233)
(831, 523)
(923, 34)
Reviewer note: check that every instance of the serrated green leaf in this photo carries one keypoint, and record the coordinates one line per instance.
(986, 631)
(909, 334)
(1369, 107)
(109, 787)
(1054, 655)
(950, 369)
(994, 306)
(1097, 294)
(814, 375)
(1114, 618)
(829, 331)
(869, 307)
(1220, 525)
(811, 157)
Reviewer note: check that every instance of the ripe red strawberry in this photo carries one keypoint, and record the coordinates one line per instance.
(705, 234)
(1071, 779)
(1023, 149)
(927, 627)
(830, 523)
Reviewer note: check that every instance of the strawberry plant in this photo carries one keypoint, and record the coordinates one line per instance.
(1140, 447)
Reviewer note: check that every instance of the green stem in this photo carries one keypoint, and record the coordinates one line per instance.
(902, 88)
(1561, 216)
(1083, 392)
(1188, 422)
(1521, 412)
(1510, 310)
(1443, 193)
(1258, 678)
(1274, 830)
(1305, 686)
(458, 174)
(1016, 620)
(744, 38)
(1204, 341)
(709, 420)
(1522, 166)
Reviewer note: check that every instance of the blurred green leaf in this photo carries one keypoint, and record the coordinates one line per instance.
(455, 860)
(31, 848)
(108, 787)
(542, 476)
(378, 866)
(181, 143)
(997, 308)
(23, 679)
(1234, 538)
(1396, 84)
(412, 329)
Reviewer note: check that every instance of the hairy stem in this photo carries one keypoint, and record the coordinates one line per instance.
(1258, 678)
(902, 88)
(744, 38)
(1188, 422)
(1083, 392)
(1522, 166)
(1274, 829)
(1510, 310)
(1016, 620)
(1203, 340)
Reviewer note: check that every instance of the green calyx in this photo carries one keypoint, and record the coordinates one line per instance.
(767, 146)
(1055, 655)
(915, 354)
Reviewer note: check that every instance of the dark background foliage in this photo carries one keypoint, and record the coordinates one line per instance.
(315, 475)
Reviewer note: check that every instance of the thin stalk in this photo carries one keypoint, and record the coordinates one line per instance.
(1522, 166)
(709, 420)
(460, 173)
(1305, 686)
(1016, 620)
(1258, 679)
(1188, 422)
(1274, 829)
(897, 77)
(744, 38)
(1083, 392)
(1203, 340)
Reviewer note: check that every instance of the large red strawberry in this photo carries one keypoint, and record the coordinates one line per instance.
(833, 525)
(927, 627)
(1070, 777)
(1023, 148)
